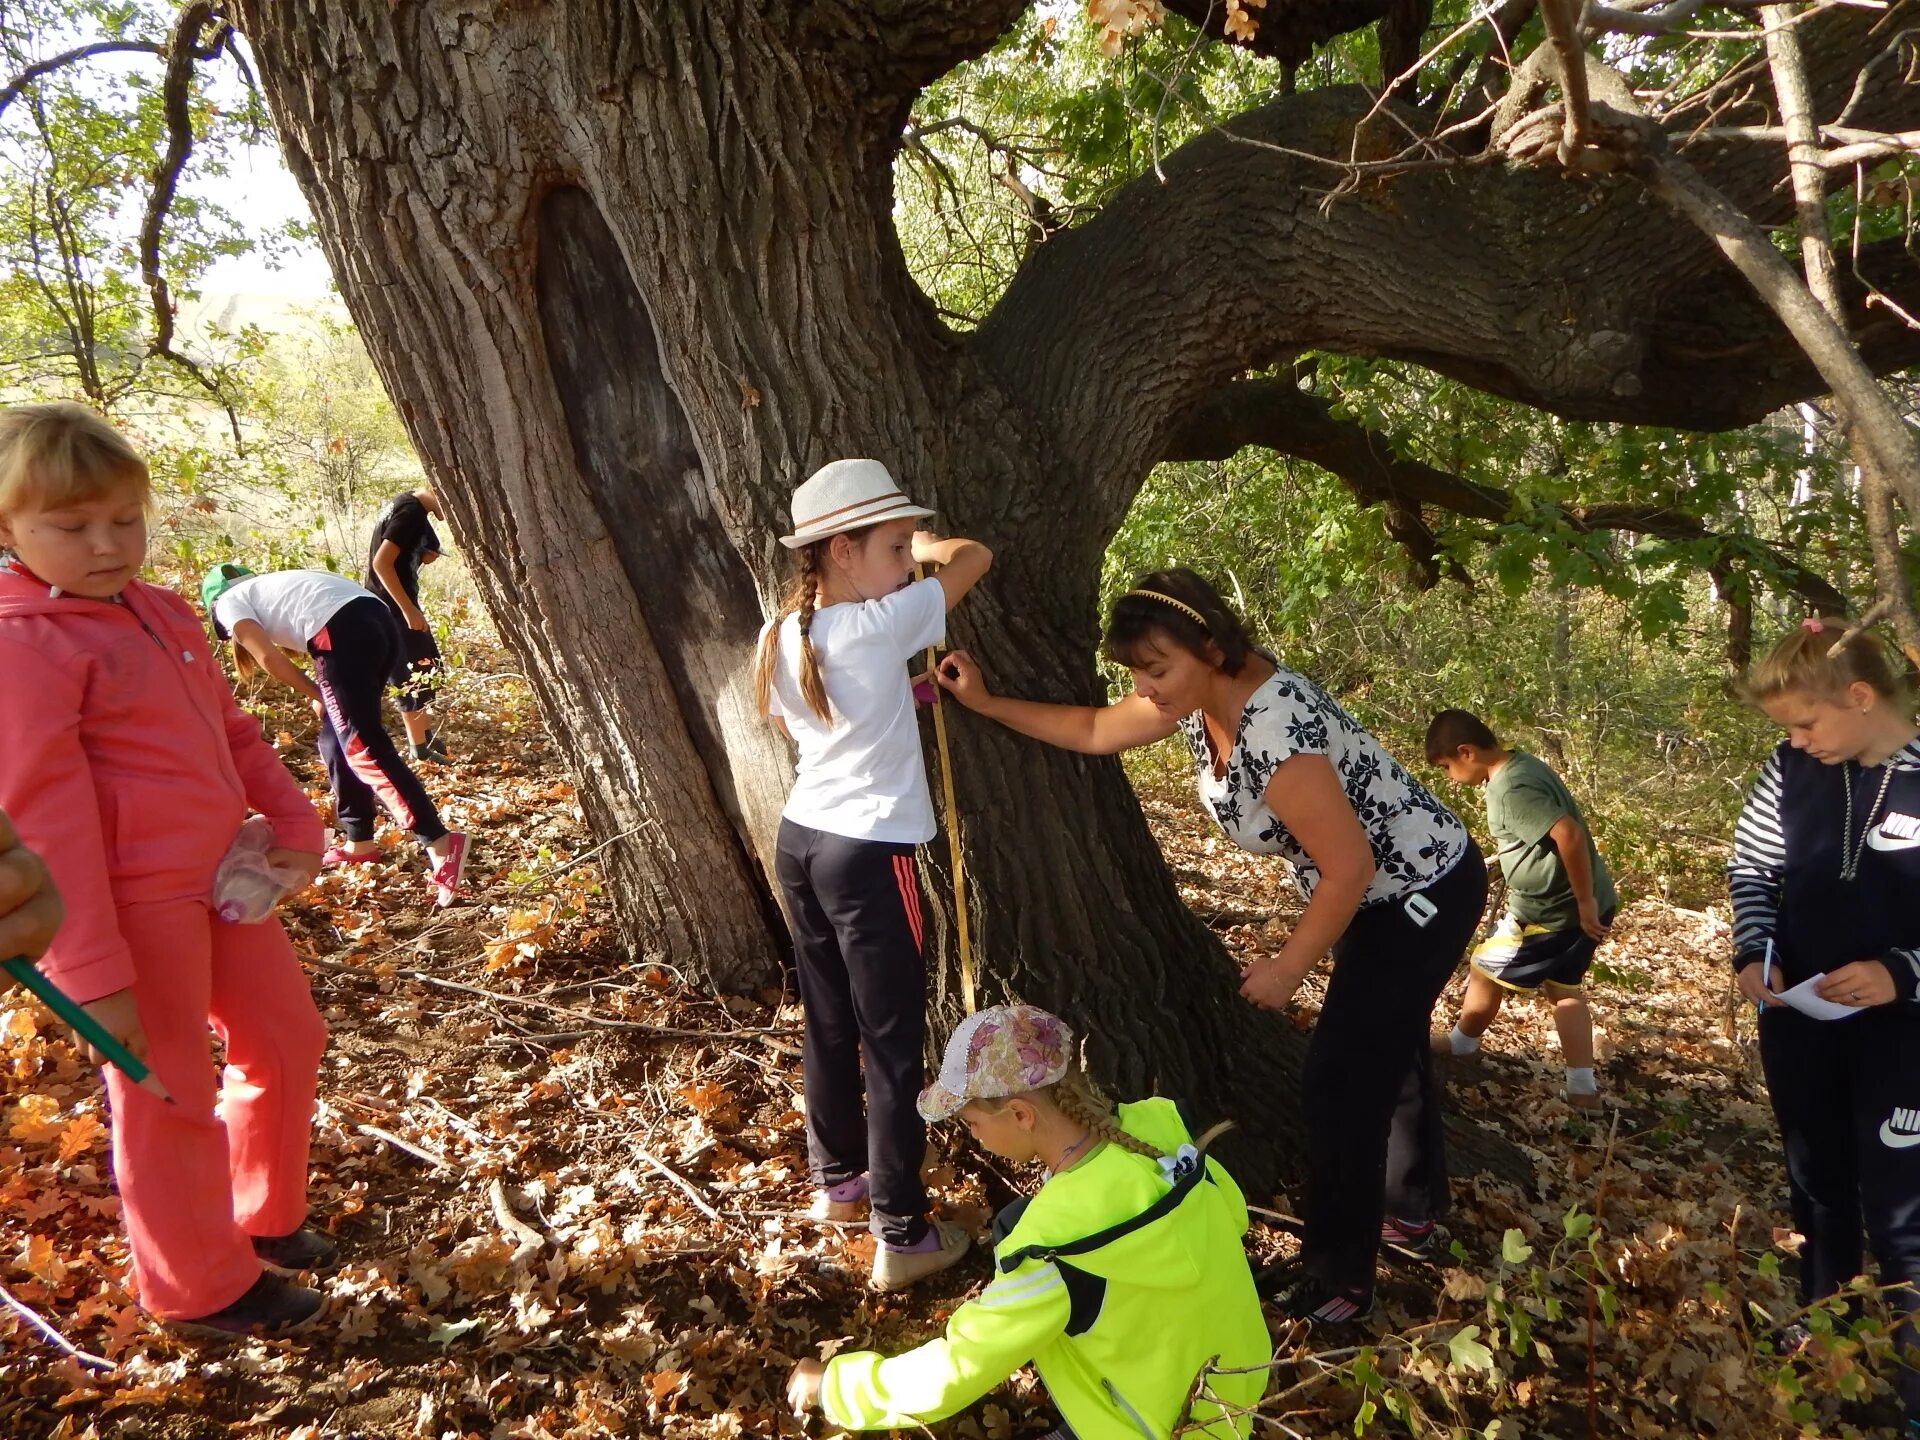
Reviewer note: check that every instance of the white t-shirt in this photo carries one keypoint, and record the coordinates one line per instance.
(292, 606)
(863, 775)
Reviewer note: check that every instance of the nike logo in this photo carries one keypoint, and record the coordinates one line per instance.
(1896, 832)
(1901, 1131)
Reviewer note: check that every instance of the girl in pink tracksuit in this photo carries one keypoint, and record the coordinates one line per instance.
(125, 761)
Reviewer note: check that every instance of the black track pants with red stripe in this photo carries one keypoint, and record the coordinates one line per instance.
(854, 907)
(352, 659)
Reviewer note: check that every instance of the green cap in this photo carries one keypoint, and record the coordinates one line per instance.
(220, 579)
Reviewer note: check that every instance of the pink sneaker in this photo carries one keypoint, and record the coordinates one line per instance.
(341, 855)
(449, 870)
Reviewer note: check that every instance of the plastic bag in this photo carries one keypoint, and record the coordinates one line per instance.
(247, 887)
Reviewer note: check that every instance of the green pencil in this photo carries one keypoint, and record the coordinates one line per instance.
(88, 1028)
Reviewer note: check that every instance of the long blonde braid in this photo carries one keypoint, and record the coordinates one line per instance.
(1076, 1096)
(801, 598)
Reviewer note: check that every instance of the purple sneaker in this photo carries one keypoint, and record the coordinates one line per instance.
(845, 1202)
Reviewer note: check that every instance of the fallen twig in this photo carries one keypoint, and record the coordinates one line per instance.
(439, 1162)
(541, 877)
(687, 1187)
(590, 1022)
(530, 1239)
(32, 1317)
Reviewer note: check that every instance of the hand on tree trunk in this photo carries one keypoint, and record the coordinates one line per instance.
(1271, 983)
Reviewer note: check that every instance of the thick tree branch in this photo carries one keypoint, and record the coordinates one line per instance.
(1879, 425)
(184, 49)
(1279, 416)
(905, 45)
(1582, 300)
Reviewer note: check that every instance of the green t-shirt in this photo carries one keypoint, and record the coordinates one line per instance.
(1525, 800)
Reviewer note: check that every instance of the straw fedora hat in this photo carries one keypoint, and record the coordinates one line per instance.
(847, 495)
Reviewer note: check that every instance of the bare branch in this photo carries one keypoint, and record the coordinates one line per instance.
(1629, 21)
(74, 56)
(1891, 580)
(1856, 146)
(1570, 61)
(184, 48)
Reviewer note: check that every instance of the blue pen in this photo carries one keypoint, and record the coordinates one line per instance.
(1766, 980)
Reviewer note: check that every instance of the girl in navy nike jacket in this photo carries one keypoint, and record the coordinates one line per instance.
(1826, 888)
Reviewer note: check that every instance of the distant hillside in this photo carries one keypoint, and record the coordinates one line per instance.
(234, 310)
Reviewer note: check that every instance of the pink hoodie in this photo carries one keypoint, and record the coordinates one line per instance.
(126, 762)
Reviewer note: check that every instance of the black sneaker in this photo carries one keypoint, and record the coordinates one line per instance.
(304, 1249)
(432, 748)
(1415, 1241)
(271, 1306)
(1319, 1303)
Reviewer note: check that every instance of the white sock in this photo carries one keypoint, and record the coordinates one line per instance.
(1581, 1082)
(1462, 1044)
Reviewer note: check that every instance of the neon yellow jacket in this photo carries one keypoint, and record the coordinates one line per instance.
(1119, 1287)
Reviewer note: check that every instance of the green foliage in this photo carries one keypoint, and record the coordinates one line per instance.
(1604, 653)
(78, 151)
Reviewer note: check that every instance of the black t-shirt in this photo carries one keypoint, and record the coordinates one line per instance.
(403, 521)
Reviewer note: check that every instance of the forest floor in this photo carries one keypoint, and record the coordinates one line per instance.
(556, 1229)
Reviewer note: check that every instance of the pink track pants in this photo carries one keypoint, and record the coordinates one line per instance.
(200, 1176)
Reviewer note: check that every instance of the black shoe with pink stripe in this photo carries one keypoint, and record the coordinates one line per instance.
(1319, 1303)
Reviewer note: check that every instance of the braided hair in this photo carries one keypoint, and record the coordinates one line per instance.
(801, 598)
(1076, 1096)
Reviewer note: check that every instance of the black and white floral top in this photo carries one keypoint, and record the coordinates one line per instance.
(1415, 838)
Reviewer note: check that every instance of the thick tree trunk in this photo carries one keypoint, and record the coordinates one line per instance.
(627, 289)
(629, 272)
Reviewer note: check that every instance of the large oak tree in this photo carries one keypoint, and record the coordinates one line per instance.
(630, 272)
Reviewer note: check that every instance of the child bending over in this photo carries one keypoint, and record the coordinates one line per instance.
(1122, 1279)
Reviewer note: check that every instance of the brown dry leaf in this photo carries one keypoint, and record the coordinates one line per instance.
(36, 1119)
(84, 1133)
(39, 1260)
(663, 1383)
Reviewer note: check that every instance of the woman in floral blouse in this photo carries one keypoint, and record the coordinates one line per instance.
(1394, 888)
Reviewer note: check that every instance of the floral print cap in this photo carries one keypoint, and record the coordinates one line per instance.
(1006, 1050)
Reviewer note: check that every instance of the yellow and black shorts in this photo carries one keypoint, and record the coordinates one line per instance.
(1533, 957)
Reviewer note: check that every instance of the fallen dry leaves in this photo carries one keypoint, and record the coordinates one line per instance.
(554, 1232)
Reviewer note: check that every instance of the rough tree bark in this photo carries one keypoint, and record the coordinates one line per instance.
(629, 273)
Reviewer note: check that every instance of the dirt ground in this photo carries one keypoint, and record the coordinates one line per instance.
(571, 1193)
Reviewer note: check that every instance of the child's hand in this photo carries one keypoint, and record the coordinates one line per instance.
(1863, 983)
(120, 1018)
(928, 548)
(30, 909)
(1754, 988)
(960, 677)
(297, 868)
(1591, 923)
(803, 1387)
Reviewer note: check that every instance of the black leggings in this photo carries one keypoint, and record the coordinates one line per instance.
(352, 660)
(1374, 1141)
(1847, 1096)
(854, 906)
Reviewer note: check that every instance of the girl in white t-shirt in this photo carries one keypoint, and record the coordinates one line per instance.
(833, 671)
(353, 640)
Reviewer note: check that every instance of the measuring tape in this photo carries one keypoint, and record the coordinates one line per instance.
(962, 932)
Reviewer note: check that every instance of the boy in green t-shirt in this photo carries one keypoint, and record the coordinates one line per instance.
(1560, 899)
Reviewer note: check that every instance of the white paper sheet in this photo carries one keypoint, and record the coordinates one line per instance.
(1802, 998)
